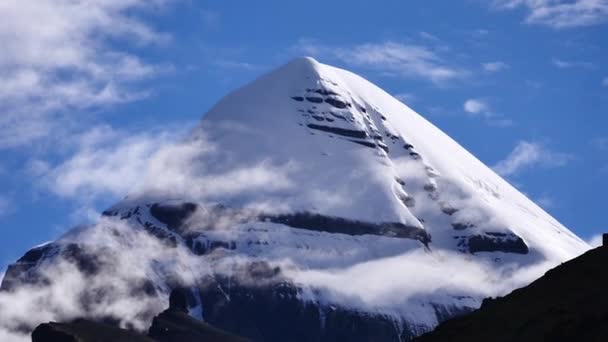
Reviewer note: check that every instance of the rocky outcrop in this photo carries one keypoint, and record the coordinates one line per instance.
(492, 242)
(569, 303)
(175, 325)
(172, 325)
(83, 330)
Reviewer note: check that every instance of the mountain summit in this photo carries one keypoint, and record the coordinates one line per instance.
(310, 205)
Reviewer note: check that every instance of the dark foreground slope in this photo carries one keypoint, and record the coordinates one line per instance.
(172, 325)
(82, 330)
(569, 303)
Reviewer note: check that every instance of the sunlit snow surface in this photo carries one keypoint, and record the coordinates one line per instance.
(425, 179)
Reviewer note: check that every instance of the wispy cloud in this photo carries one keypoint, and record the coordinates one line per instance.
(605, 82)
(595, 241)
(405, 97)
(66, 62)
(546, 201)
(480, 108)
(124, 258)
(529, 154)
(391, 58)
(495, 66)
(107, 162)
(428, 36)
(238, 65)
(564, 64)
(559, 13)
(477, 107)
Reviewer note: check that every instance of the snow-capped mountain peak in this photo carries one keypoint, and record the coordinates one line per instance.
(341, 147)
(315, 194)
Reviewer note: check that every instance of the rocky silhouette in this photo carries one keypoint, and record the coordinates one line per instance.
(172, 325)
(569, 303)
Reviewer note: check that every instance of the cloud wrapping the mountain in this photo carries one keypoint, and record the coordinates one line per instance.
(127, 257)
(386, 282)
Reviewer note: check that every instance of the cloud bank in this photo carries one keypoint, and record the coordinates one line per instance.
(68, 62)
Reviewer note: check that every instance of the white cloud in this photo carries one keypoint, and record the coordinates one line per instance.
(387, 282)
(57, 56)
(495, 66)
(559, 13)
(476, 107)
(237, 65)
(545, 201)
(107, 162)
(595, 241)
(481, 109)
(528, 154)
(429, 36)
(391, 58)
(563, 64)
(405, 97)
(126, 257)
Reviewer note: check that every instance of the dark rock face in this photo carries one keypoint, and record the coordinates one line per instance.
(174, 216)
(274, 313)
(314, 99)
(349, 133)
(52, 332)
(497, 242)
(24, 270)
(335, 102)
(260, 303)
(364, 143)
(351, 227)
(569, 303)
(82, 330)
(178, 300)
(176, 326)
(172, 325)
(29, 261)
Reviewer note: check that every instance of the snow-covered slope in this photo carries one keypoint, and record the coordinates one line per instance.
(326, 179)
(349, 149)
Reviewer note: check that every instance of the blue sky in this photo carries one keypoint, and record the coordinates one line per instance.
(89, 91)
